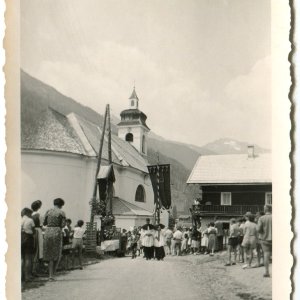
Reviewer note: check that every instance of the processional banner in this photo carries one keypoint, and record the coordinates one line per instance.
(160, 179)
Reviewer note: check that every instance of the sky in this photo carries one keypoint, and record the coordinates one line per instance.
(201, 68)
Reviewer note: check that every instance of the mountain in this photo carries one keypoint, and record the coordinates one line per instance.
(178, 151)
(231, 146)
(37, 96)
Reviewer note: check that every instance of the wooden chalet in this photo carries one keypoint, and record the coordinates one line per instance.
(231, 185)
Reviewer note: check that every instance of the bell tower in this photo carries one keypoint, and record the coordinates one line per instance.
(133, 128)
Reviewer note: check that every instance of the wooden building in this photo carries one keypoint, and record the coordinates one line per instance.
(232, 185)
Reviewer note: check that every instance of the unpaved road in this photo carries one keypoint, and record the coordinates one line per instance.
(187, 277)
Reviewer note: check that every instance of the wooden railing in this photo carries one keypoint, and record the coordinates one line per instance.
(227, 209)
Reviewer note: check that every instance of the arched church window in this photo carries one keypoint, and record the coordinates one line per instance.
(129, 137)
(140, 195)
(144, 144)
(132, 102)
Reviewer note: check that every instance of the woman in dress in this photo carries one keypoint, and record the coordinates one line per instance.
(55, 221)
(38, 236)
(212, 236)
(204, 240)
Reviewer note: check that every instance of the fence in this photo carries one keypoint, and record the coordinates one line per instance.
(91, 237)
(227, 209)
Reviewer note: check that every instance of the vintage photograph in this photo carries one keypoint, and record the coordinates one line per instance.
(146, 149)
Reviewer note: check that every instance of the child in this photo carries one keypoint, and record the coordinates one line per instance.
(27, 243)
(184, 244)
(67, 243)
(77, 243)
(195, 240)
(134, 243)
(234, 232)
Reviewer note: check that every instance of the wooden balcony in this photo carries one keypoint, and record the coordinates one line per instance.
(230, 210)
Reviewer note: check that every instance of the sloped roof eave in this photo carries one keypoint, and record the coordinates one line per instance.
(230, 182)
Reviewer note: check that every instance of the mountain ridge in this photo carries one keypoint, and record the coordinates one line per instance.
(37, 96)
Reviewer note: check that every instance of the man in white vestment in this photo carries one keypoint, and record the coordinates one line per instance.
(148, 239)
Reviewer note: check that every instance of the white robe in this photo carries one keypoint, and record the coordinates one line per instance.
(148, 238)
(161, 241)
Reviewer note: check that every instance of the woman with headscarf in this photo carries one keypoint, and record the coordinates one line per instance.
(212, 238)
(55, 221)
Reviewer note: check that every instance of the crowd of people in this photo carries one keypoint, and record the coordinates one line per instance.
(246, 235)
(48, 240)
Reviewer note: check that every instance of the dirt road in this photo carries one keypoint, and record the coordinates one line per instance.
(186, 277)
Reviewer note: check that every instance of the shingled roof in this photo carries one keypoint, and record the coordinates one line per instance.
(44, 136)
(232, 169)
(122, 207)
(73, 134)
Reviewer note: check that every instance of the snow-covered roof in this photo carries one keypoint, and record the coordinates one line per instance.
(232, 169)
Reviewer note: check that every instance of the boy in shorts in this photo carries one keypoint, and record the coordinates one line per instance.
(77, 243)
(234, 232)
(250, 238)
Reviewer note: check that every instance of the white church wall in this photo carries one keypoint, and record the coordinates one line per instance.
(46, 176)
(127, 181)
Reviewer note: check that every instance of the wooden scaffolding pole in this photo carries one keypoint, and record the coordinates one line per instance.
(110, 184)
(94, 197)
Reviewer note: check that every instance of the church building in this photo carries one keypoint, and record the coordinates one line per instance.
(59, 158)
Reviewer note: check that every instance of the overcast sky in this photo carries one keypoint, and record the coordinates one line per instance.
(201, 67)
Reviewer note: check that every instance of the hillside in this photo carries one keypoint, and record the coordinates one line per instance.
(36, 96)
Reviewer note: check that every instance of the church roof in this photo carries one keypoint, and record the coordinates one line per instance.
(122, 207)
(43, 136)
(133, 117)
(134, 95)
(79, 136)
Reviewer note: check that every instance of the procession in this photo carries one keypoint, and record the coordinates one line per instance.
(54, 241)
(146, 159)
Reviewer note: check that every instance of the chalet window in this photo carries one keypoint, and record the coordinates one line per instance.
(140, 194)
(225, 198)
(132, 102)
(129, 137)
(268, 198)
